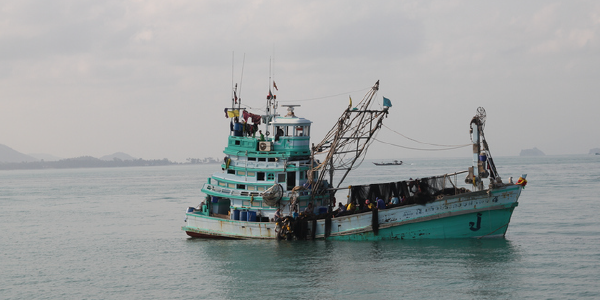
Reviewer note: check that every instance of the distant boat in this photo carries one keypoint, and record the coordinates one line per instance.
(394, 163)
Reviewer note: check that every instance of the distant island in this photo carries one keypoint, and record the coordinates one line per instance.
(532, 152)
(11, 159)
(595, 151)
(92, 162)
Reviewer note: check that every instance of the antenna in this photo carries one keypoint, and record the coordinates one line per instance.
(232, 87)
(270, 62)
(271, 83)
(241, 80)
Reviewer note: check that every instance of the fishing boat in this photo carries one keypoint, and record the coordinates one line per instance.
(276, 187)
(393, 163)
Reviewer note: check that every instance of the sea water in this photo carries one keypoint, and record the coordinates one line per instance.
(115, 233)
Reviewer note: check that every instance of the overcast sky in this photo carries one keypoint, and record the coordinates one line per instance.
(151, 78)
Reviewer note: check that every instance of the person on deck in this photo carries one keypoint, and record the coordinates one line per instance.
(380, 203)
(309, 210)
(351, 207)
(277, 215)
(262, 136)
(332, 203)
(403, 199)
(395, 201)
(340, 210)
(369, 205)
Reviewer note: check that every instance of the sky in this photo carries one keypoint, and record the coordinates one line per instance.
(151, 78)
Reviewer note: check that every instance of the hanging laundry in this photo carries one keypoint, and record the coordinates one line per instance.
(233, 113)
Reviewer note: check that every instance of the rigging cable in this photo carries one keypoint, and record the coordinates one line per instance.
(422, 149)
(437, 145)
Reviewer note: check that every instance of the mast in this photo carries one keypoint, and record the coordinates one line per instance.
(483, 164)
(236, 102)
(272, 105)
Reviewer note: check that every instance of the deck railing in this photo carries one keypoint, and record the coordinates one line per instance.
(242, 193)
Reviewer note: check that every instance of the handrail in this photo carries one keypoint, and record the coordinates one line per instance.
(245, 193)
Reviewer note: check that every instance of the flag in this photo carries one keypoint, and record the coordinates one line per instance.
(350, 101)
(235, 97)
(275, 85)
(387, 102)
(233, 113)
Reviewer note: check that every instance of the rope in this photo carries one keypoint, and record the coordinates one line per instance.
(492, 231)
(438, 145)
(422, 149)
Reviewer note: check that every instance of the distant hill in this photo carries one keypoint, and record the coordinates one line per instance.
(44, 156)
(118, 155)
(595, 151)
(532, 152)
(9, 155)
(84, 162)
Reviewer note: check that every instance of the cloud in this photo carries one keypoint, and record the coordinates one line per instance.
(130, 74)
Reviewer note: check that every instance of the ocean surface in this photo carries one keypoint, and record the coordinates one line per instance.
(115, 233)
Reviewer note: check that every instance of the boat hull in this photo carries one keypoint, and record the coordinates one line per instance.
(492, 223)
(470, 215)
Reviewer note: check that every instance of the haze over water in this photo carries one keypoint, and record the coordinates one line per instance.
(115, 233)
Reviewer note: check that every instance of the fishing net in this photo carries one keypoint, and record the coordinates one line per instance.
(418, 191)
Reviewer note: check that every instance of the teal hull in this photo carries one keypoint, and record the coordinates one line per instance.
(470, 215)
(482, 224)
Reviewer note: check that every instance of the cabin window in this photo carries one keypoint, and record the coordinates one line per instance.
(260, 188)
(241, 186)
(245, 203)
(251, 174)
(291, 180)
(251, 158)
(281, 177)
(237, 143)
(262, 159)
(251, 188)
(230, 171)
(279, 131)
(231, 185)
(260, 176)
(299, 131)
(222, 183)
(270, 176)
(241, 173)
(272, 159)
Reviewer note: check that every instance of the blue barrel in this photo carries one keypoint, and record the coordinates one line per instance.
(244, 216)
(215, 199)
(238, 129)
(190, 209)
(251, 216)
(236, 214)
(295, 215)
(322, 210)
